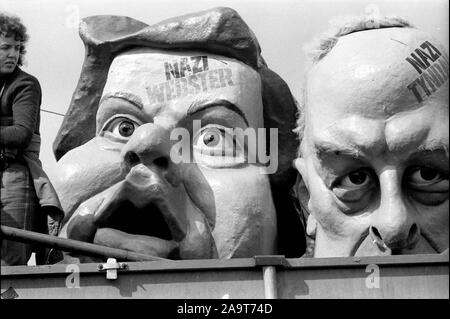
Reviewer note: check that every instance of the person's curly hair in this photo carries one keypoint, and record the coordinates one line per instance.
(12, 26)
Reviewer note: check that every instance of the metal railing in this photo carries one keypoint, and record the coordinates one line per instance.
(73, 246)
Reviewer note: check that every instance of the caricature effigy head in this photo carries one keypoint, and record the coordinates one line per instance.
(122, 179)
(375, 138)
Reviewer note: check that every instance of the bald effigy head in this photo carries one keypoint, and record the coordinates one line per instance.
(395, 69)
(374, 153)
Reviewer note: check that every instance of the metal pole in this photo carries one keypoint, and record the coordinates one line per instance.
(270, 282)
(74, 246)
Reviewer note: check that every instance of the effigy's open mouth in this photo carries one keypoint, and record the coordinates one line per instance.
(134, 214)
(140, 230)
(147, 221)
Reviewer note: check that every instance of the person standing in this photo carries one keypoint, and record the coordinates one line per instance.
(27, 196)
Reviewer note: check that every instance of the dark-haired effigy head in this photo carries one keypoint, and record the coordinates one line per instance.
(178, 141)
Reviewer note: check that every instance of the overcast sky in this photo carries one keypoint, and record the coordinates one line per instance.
(55, 51)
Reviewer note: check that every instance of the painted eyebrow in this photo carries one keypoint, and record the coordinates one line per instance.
(127, 96)
(327, 148)
(433, 147)
(202, 105)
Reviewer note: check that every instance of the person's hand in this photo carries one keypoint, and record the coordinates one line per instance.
(55, 217)
(10, 153)
(54, 227)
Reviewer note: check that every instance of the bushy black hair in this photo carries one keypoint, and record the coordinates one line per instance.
(12, 26)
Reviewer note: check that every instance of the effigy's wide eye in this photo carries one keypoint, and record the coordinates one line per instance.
(215, 146)
(358, 177)
(126, 128)
(211, 139)
(120, 128)
(428, 174)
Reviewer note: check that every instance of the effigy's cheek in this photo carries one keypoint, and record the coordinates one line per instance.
(321, 203)
(245, 217)
(433, 223)
(333, 229)
(84, 172)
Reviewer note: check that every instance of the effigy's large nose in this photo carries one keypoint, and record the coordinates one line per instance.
(150, 146)
(395, 221)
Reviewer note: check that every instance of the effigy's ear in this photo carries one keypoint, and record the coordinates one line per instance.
(219, 30)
